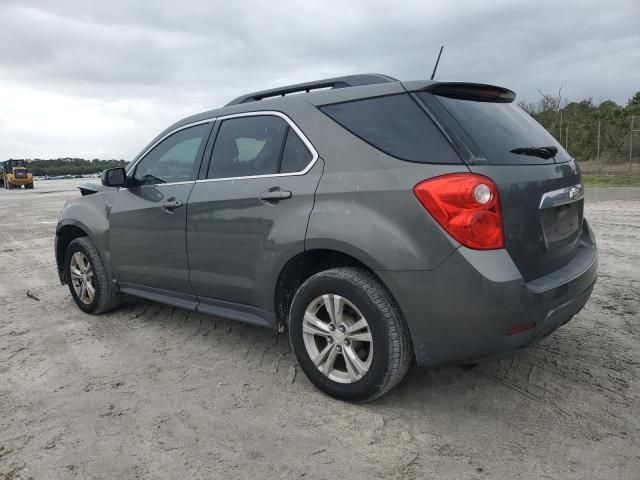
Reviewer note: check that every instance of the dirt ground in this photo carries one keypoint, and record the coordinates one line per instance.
(152, 391)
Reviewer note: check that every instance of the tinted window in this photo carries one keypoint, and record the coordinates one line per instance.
(498, 128)
(248, 146)
(397, 126)
(295, 156)
(175, 159)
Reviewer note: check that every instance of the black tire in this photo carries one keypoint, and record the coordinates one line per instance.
(106, 297)
(392, 350)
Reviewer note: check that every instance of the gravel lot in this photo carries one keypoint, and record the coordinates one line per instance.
(152, 391)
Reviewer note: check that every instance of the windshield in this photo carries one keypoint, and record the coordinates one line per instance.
(503, 132)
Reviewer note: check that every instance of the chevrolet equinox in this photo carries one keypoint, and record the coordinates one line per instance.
(376, 221)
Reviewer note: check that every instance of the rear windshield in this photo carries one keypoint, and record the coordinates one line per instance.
(498, 128)
(397, 125)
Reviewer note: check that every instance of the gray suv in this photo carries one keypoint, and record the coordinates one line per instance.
(377, 221)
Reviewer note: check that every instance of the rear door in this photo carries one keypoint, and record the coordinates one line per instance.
(540, 189)
(249, 215)
(148, 219)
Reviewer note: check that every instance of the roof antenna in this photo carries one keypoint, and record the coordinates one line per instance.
(433, 74)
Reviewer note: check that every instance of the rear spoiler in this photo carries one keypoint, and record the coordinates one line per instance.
(471, 91)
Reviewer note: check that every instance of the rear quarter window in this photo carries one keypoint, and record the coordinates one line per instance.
(396, 125)
(295, 156)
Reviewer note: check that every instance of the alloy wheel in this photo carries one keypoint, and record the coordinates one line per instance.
(82, 278)
(337, 338)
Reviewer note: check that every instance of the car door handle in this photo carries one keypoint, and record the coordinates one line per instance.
(274, 195)
(171, 205)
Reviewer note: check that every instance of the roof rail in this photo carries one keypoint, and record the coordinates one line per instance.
(337, 82)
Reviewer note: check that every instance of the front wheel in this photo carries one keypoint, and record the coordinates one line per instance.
(87, 278)
(348, 334)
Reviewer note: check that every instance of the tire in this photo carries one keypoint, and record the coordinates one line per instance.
(105, 296)
(387, 353)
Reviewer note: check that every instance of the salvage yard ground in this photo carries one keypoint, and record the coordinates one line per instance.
(152, 391)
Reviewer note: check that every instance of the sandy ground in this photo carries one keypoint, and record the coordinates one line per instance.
(152, 391)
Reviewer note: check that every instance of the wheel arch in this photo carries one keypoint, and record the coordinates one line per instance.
(65, 234)
(304, 265)
(85, 216)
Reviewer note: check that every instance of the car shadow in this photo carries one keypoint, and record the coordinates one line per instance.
(536, 379)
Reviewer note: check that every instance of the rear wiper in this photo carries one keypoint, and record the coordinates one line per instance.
(542, 152)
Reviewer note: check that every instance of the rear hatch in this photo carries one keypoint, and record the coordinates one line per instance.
(539, 183)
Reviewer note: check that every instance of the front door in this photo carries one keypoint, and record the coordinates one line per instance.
(148, 219)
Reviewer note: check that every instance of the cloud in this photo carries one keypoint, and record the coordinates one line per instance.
(79, 77)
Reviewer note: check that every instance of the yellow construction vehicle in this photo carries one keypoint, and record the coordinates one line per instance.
(14, 174)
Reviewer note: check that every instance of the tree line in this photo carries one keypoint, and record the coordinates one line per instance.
(579, 124)
(70, 166)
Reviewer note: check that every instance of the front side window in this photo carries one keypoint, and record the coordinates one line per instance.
(257, 145)
(175, 159)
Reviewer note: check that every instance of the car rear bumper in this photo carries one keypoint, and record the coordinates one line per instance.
(476, 306)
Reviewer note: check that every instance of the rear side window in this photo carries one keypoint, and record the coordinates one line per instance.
(248, 146)
(257, 145)
(497, 128)
(397, 125)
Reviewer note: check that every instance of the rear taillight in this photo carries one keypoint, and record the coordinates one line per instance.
(466, 205)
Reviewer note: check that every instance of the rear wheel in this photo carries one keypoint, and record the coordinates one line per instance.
(348, 334)
(87, 278)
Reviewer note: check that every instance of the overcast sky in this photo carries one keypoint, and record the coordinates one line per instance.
(100, 79)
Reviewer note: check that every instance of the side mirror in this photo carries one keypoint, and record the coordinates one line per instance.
(114, 177)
